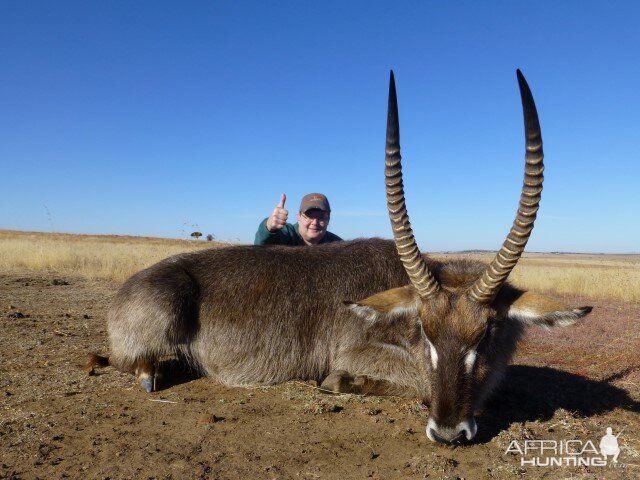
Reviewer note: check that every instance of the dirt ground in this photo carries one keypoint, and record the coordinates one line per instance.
(58, 422)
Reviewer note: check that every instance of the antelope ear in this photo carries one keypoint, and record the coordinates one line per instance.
(388, 304)
(535, 309)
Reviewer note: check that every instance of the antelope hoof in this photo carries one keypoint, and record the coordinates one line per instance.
(148, 383)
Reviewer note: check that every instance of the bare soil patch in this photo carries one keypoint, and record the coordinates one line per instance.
(58, 422)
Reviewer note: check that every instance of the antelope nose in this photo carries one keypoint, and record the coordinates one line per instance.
(433, 435)
(464, 431)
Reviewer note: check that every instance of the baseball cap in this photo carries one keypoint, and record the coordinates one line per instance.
(314, 200)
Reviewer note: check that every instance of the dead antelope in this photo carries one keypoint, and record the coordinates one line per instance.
(441, 332)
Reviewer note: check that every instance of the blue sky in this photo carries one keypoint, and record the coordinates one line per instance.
(160, 118)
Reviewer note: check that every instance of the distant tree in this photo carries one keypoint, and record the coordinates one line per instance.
(210, 238)
(196, 235)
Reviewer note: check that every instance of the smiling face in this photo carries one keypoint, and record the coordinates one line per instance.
(312, 225)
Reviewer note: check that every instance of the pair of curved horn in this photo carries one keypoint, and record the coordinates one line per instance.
(488, 285)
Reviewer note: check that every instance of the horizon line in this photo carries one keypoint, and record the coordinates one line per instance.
(217, 240)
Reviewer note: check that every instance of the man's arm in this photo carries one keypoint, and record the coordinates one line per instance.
(274, 230)
(264, 236)
(287, 235)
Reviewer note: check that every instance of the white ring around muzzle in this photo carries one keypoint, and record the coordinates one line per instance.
(447, 434)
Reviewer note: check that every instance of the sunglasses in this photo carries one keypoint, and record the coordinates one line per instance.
(318, 215)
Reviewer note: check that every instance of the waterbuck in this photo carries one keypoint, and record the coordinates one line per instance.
(442, 332)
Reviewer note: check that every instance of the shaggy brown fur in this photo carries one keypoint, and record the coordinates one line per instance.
(263, 315)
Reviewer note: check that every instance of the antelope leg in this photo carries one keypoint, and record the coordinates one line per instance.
(341, 381)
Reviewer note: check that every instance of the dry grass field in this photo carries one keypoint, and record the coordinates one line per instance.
(58, 422)
(117, 257)
(596, 276)
(107, 257)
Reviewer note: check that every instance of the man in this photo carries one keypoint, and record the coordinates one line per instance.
(311, 229)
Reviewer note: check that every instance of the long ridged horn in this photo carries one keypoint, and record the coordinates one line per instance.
(420, 276)
(487, 286)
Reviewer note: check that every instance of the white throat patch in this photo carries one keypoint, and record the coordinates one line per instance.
(470, 360)
(433, 355)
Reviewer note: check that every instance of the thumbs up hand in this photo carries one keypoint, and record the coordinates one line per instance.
(278, 217)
